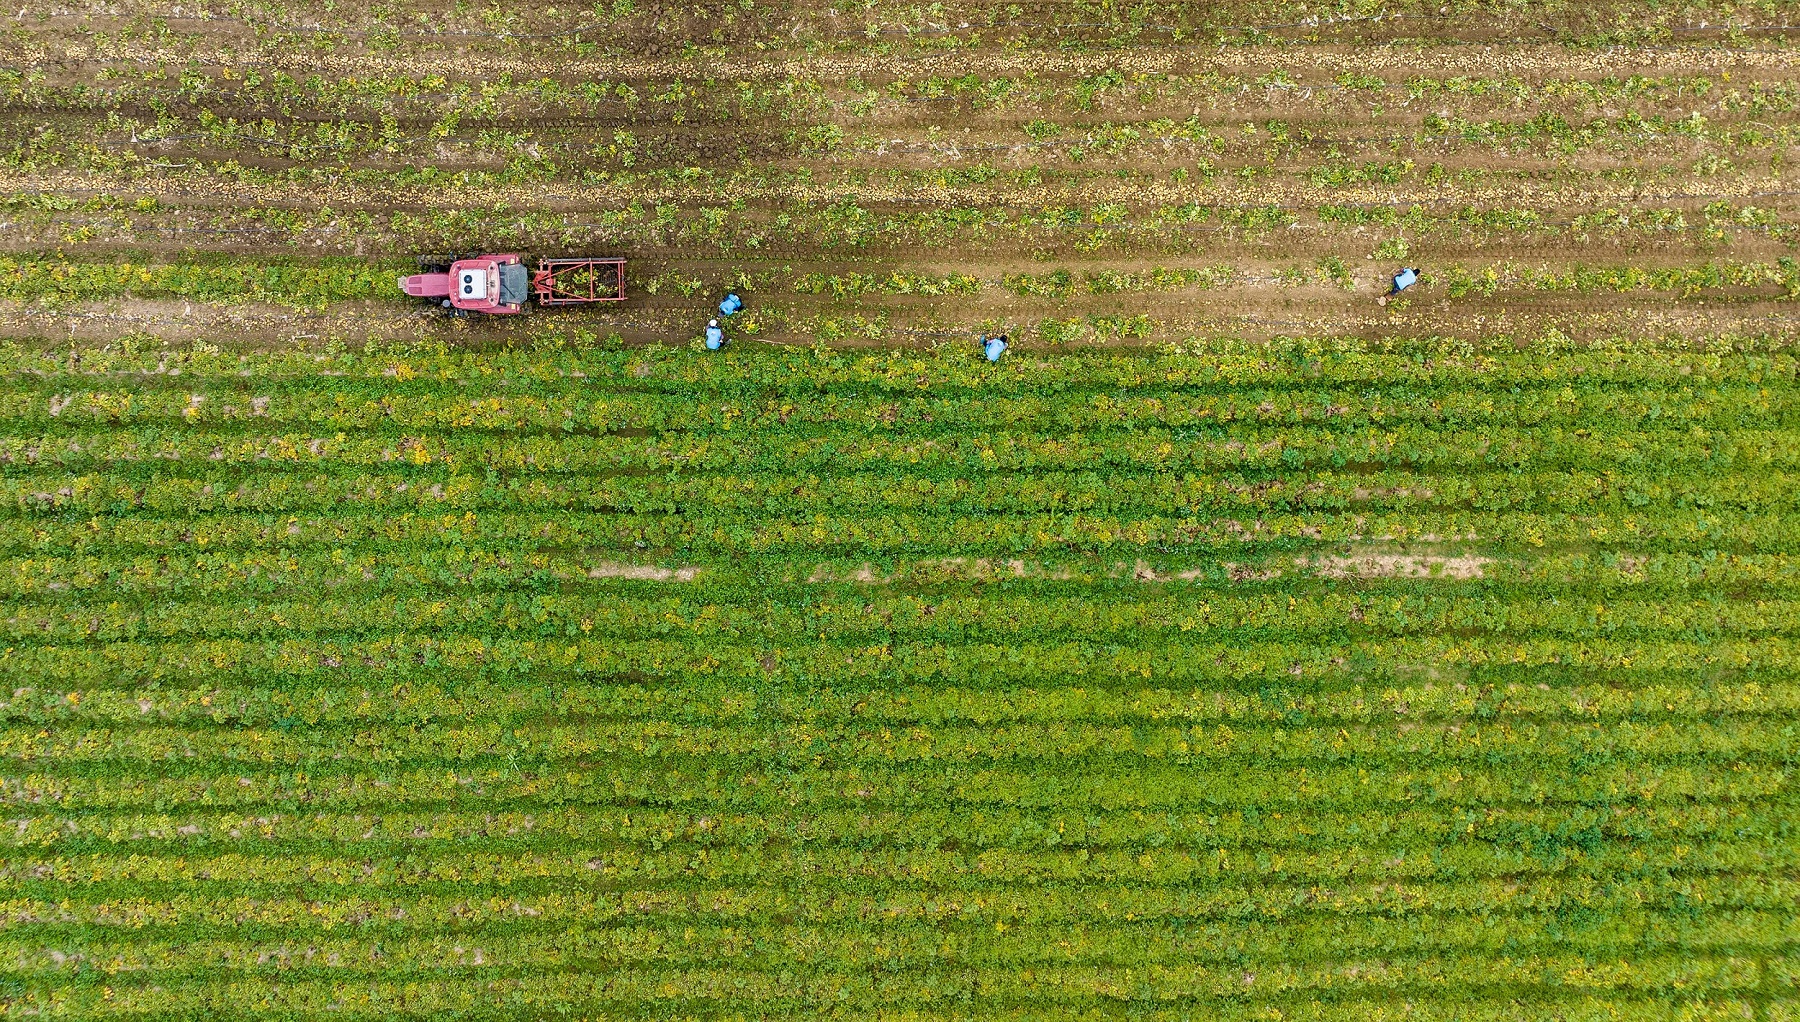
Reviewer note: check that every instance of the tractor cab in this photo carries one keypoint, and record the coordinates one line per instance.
(471, 283)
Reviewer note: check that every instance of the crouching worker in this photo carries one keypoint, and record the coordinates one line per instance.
(730, 305)
(1404, 279)
(715, 337)
(994, 347)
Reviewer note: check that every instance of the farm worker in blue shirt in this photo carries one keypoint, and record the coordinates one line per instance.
(731, 304)
(1404, 279)
(993, 347)
(715, 338)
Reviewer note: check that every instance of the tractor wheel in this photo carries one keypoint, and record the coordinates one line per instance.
(435, 263)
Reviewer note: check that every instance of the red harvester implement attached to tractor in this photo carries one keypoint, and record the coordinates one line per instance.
(578, 281)
(499, 284)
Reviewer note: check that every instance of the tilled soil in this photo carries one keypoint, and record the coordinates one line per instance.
(1309, 153)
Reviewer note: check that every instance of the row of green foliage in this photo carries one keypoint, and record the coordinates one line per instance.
(315, 285)
(1315, 364)
(1544, 832)
(1210, 658)
(1402, 694)
(867, 534)
(300, 285)
(1412, 446)
(528, 404)
(1162, 616)
(1784, 274)
(736, 225)
(1566, 984)
(237, 490)
(130, 575)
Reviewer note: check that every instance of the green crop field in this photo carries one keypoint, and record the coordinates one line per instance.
(1245, 644)
(1315, 682)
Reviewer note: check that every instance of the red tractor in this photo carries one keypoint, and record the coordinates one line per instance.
(500, 284)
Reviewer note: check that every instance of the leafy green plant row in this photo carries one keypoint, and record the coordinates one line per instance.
(1380, 571)
(1059, 991)
(1062, 284)
(526, 405)
(236, 490)
(129, 576)
(490, 873)
(848, 225)
(301, 285)
(547, 149)
(1258, 448)
(1372, 694)
(689, 215)
(1218, 365)
(1783, 273)
(503, 878)
(1056, 284)
(1163, 613)
(902, 945)
(1547, 833)
(394, 657)
(895, 283)
(1085, 748)
(329, 909)
(910, 534)
(694, 785)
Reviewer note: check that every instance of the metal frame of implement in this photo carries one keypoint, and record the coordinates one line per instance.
(554, 281)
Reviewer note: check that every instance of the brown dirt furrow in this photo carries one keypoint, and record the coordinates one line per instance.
(1528, 62)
